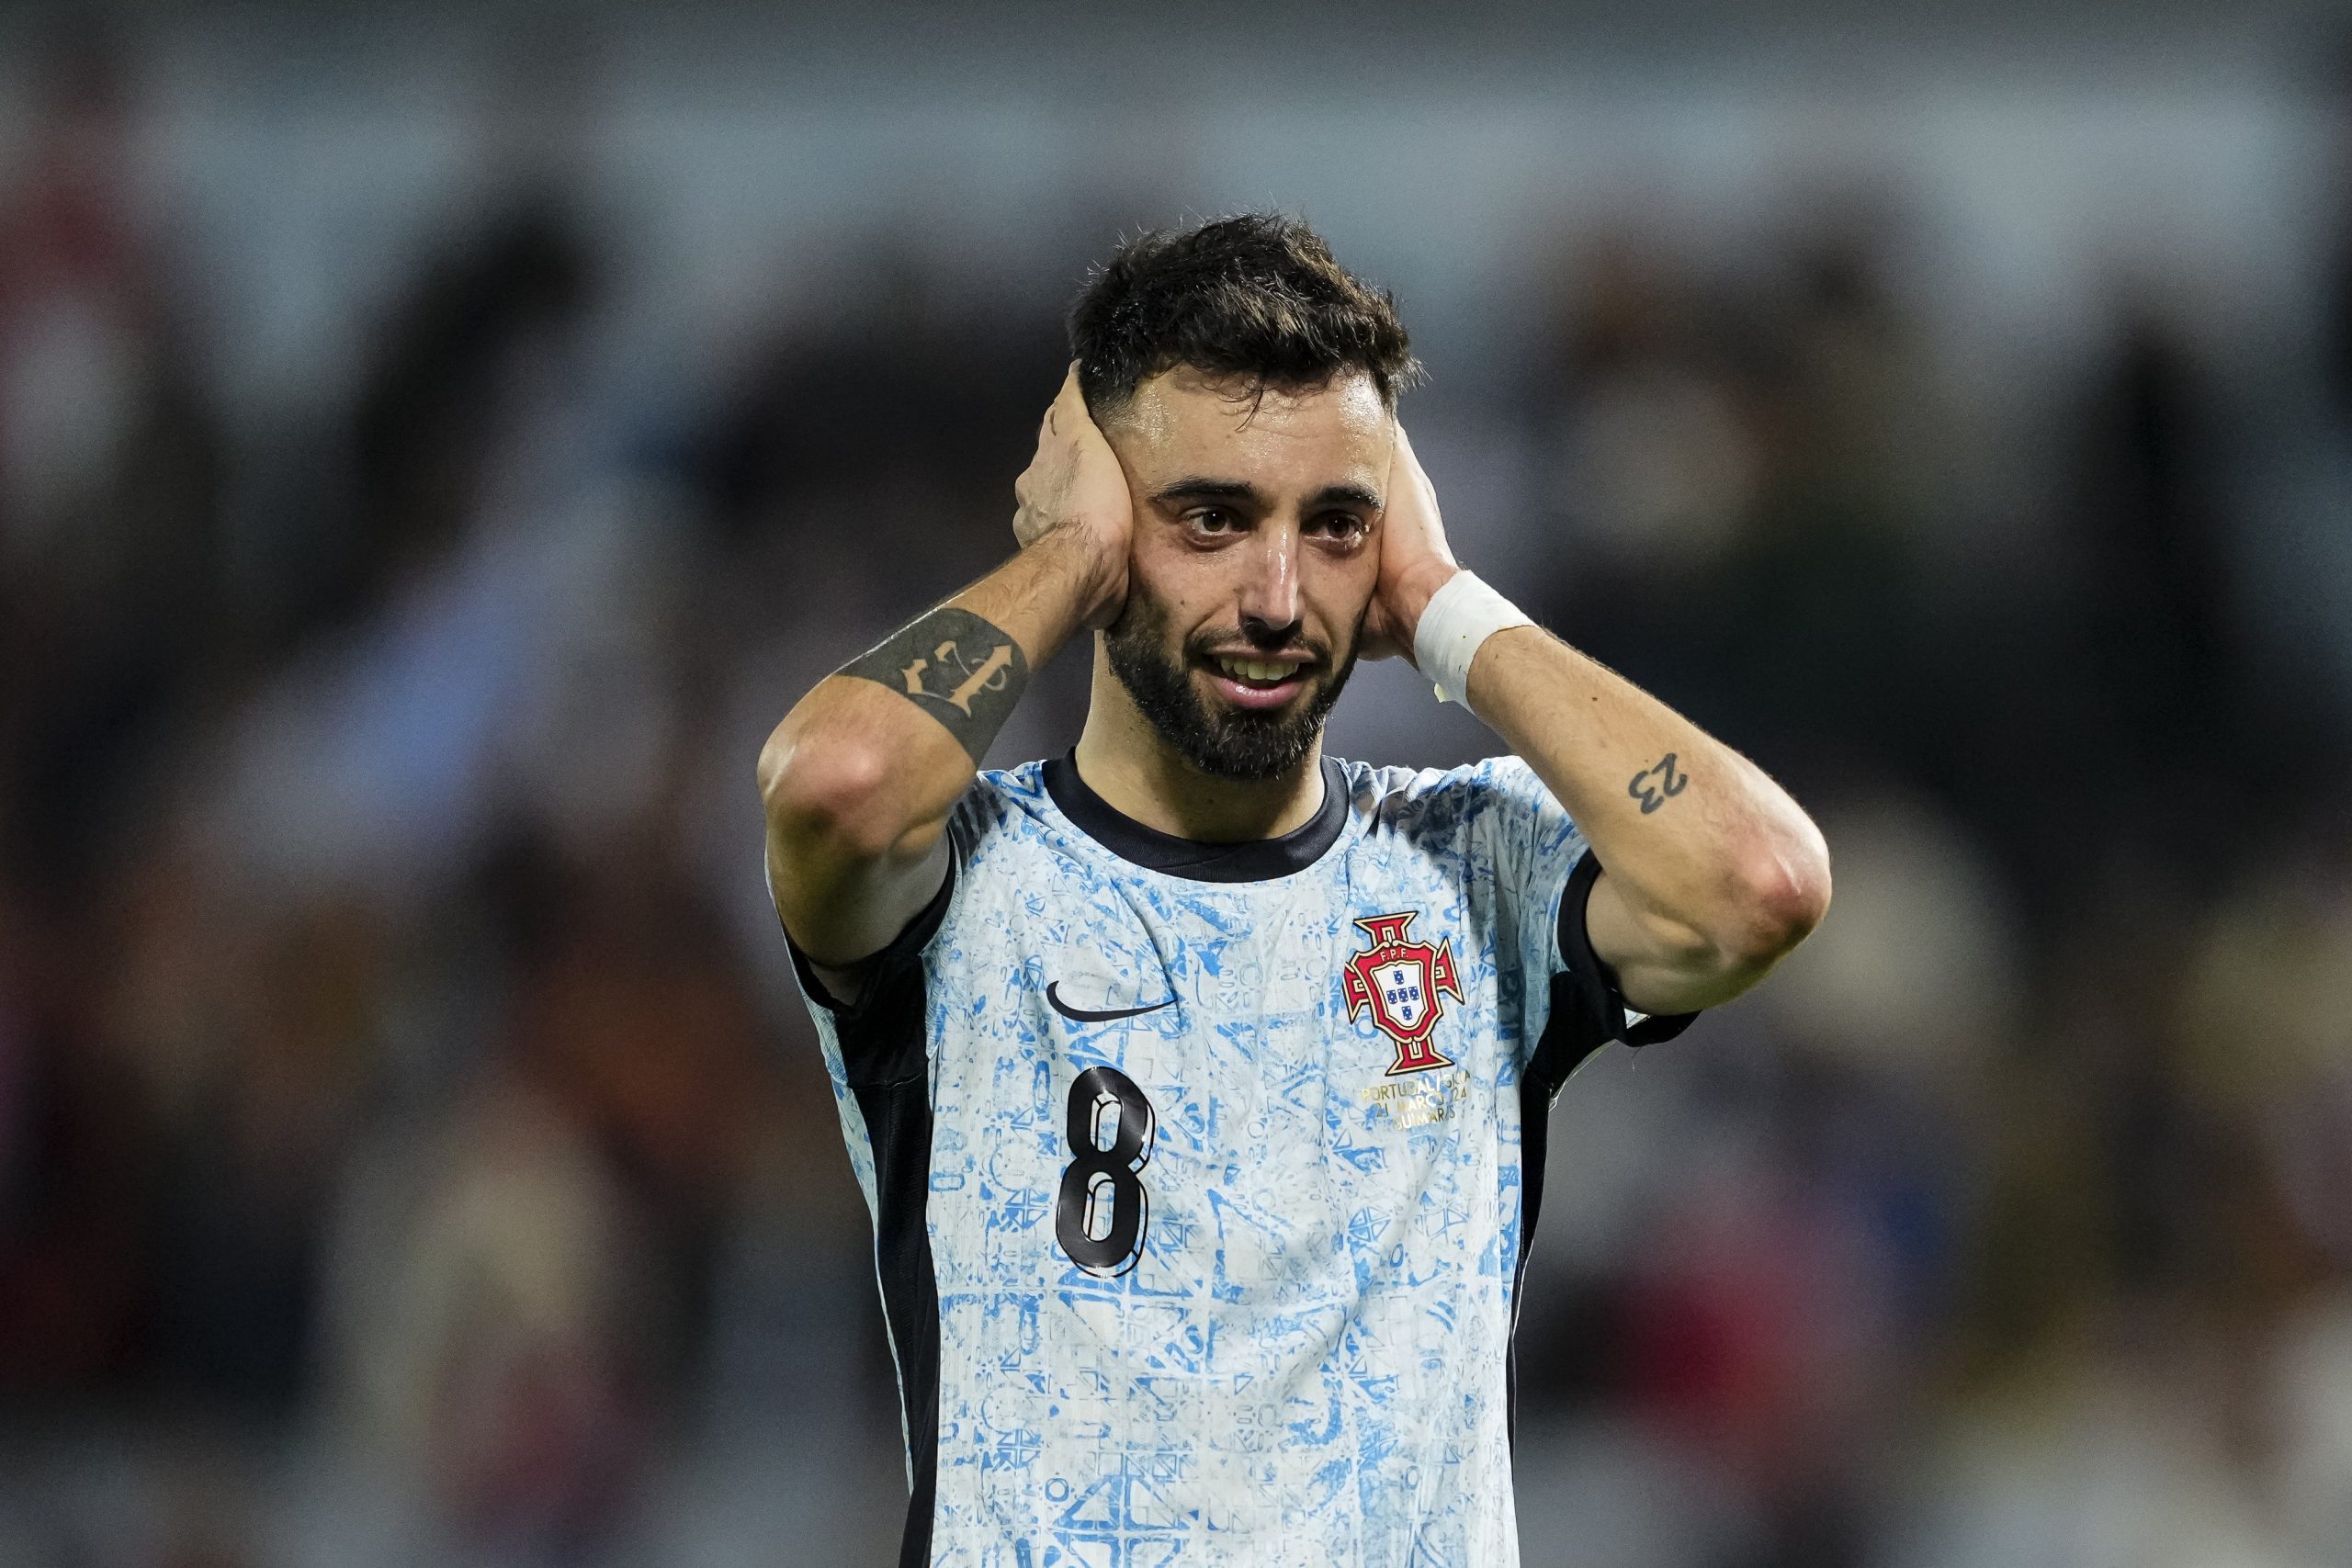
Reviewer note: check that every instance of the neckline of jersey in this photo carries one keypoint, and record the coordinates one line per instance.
(1253, 860)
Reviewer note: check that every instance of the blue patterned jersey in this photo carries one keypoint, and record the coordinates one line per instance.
(1202, 1174)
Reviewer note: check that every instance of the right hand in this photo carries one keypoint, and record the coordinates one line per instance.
(1075, 488)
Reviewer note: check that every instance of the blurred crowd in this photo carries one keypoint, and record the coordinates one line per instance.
(411, 1150)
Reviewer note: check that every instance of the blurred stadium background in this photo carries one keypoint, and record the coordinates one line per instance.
(434, 449)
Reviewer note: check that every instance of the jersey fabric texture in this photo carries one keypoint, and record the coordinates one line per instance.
(1203, 1174)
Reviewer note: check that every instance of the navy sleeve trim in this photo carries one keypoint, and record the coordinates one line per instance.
(1576, 948)
(904, 953)
(1588, 1010)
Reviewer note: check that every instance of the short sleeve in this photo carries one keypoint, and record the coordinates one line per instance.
(1587, 1009)
(880, 1030)
(904, 953)
(1544, 871)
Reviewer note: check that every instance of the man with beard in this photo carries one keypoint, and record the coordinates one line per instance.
(1197, 1080)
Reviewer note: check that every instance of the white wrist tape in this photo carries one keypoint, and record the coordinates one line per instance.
(1458, 618)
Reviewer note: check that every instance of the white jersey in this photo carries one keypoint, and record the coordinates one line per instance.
(1202, 1174)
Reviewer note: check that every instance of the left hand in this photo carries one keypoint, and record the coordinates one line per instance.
(1415, 561)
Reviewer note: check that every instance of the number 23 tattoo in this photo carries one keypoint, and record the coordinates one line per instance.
(1654, 786)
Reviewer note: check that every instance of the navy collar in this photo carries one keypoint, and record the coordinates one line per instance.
(1254, 859)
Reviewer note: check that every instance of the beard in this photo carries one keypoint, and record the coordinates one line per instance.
(1222, 741)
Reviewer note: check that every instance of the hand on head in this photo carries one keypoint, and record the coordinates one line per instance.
(1415, 559)
(1075, 484)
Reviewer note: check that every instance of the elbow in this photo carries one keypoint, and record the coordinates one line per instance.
(1783, 894)
(831, 792)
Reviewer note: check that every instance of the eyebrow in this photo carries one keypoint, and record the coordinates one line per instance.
(1364, 496)
(1199, 488)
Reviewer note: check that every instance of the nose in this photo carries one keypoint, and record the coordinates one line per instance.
(1270, 605)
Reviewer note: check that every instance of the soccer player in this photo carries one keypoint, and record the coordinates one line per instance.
(1197, 1080)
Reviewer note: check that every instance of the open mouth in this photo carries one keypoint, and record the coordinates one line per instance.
(1256, 682)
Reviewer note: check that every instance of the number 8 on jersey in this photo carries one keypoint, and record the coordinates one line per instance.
(1102, 1213)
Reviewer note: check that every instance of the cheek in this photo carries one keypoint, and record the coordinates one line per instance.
(1343, 593)
(1173, 595)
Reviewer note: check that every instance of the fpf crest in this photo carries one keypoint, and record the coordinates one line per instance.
(1400, 981)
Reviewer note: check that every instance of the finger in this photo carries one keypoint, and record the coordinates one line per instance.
(1072, 396)
(1069, 389)
(1404, 448)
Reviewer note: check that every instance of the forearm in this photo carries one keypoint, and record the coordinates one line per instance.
(868, 764)
(859, 779)
(1704, 850)
(1711, 872)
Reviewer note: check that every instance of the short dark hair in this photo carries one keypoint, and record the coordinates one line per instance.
(1257, 298)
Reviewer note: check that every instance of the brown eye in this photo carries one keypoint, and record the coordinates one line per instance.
(1210, 519)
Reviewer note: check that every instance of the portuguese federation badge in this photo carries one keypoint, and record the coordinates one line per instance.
(1401, 982)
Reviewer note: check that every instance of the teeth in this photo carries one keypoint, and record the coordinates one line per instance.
(1257, 669)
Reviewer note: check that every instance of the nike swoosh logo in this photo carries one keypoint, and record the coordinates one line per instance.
(1088, 1015)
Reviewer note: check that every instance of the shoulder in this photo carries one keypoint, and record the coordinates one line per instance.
(999, 802)
(1007, 838)
(1436, 799)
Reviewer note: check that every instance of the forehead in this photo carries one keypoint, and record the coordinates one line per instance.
(1184, 420)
